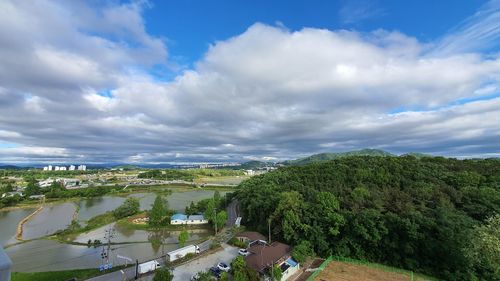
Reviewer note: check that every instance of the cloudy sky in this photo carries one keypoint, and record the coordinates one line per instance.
(179, 81)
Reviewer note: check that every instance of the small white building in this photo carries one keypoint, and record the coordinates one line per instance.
(82, 168)
(49, 168)
(72, 167)
(62, 168)
(177, 219)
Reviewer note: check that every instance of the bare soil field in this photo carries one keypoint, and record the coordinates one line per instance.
(341, 271)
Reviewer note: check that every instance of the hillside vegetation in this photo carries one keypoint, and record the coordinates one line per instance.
(432, 215)
(322, 157)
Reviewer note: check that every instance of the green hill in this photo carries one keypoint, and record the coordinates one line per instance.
(431, 215)
(322, 157)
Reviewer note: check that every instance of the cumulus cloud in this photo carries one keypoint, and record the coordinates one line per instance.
(78, 88)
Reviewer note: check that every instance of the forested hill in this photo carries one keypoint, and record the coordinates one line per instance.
(432, 215)
(322, 157)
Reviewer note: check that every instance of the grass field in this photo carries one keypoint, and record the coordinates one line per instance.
(347, 271)
(81, 274)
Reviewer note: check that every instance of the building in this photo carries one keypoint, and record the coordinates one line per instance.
(56, 168)
(250, 236)
(62, 168)
(177, 219)
(45, 168)
(262, 256)
(82, 168)
(71, 183)
(49, 168)
(72, 168)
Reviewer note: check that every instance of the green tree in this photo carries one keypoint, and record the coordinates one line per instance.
(276, 273)
(163, 274)
(302, 251)
(485, 248)
(183, 237)
(157, 212)
(239, 269)
(224, 276)
(204, 276)
(130, 207)
(221, 219)
(210, 210)
(33, 188)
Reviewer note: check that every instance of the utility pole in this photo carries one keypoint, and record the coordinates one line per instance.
(269, 230)
(215, 220)
(109, 233)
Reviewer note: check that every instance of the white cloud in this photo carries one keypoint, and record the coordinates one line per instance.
(268, 93)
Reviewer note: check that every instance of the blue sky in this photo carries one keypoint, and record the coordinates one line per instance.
(191, 26)
(218, 81)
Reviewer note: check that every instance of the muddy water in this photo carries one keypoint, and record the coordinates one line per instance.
(51, 219)
(8, 224)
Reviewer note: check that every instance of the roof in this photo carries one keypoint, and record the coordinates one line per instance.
(251, 235)
(196, 217)
(262, 256)
(181, 217)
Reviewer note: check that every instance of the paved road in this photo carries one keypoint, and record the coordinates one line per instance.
(233, 211)
(117, 275)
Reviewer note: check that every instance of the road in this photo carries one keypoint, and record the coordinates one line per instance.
(233, 211)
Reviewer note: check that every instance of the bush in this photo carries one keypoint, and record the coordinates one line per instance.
(128, 208)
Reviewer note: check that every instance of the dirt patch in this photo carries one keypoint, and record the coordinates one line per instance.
(341, 271)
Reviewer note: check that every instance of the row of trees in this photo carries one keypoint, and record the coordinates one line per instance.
(432, 215)
(212, 209)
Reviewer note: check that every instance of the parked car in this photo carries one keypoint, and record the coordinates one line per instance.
(224, 267)
(243, 252)
(216, 271)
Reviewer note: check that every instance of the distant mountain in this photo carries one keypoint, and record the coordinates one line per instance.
(252, 165)
(322, 157)
(417, 155)
(10, 167)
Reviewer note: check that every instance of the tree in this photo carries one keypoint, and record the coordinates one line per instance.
(210, 210)
(239, 269)
(157, 212)
(221, 219)
(130, 207)
(302, 251)
(224, 276)
(163, 274)
(32, 188)
(276, 273)
(183, 237)
(485, 248)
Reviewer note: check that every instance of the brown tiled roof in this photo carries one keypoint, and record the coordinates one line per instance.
(262, 256)
(251, 235)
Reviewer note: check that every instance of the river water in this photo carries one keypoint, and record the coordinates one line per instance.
(47, 255)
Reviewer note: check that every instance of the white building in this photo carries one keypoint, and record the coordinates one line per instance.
(62, 168)
(183, 219)
(56, 168)
(82, 168)
(49, 168)
(72, 167)
(45, 168)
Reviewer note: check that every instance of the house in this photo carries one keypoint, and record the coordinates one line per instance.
(184, 219)
(249, 236)
(262, 256)
(12, 194)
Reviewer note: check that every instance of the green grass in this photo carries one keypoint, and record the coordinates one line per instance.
(81, 274)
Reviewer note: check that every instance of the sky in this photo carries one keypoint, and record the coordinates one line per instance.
(233, 81)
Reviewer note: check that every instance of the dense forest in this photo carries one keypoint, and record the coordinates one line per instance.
(434, 215)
